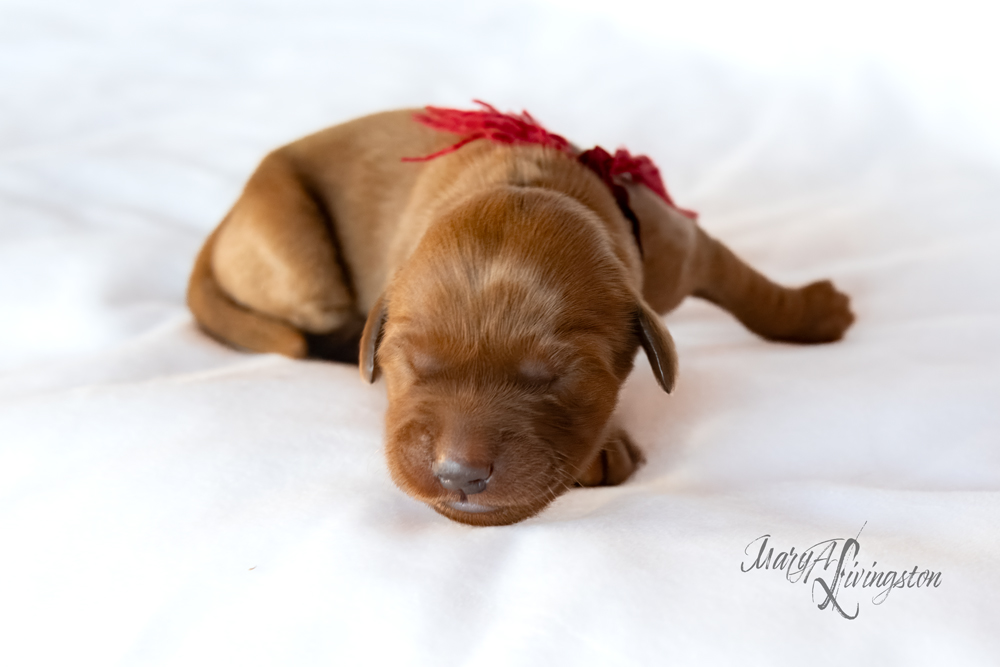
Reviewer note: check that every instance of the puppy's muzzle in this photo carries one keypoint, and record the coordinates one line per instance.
(465, 478)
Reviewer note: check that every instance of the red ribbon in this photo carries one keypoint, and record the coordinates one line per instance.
(508, 128)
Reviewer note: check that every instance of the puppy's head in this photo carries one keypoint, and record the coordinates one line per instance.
(504, 341)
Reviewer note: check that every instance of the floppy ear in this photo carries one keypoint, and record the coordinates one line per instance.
(659, 346)
(370, 338)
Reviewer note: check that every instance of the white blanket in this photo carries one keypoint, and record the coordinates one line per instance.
(167, 501)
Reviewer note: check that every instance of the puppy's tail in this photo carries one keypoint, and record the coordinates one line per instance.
(231, 323)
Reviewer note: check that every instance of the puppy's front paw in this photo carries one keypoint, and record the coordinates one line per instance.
(615, 463)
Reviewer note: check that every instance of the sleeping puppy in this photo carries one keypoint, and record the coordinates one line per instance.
(500, 289)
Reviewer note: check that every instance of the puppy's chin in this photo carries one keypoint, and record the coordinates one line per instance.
(474, 514)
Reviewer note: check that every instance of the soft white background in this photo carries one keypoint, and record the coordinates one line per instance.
(167, 501)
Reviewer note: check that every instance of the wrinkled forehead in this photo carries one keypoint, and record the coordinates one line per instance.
(500, 296)
(508, 272)
(508, 312)
(497, 300)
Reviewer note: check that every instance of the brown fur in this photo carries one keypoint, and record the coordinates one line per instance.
(506, 298)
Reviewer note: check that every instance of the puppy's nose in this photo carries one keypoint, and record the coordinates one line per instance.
(462, 477)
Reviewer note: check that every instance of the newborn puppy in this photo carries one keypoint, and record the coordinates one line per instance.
(506, 294)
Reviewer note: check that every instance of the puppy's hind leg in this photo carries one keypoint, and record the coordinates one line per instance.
(277, 273)
(815, 313)
(230, 322)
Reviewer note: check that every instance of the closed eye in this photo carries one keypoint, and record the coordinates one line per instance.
(537, 384)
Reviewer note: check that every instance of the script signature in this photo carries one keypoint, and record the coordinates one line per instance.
(837, 560)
